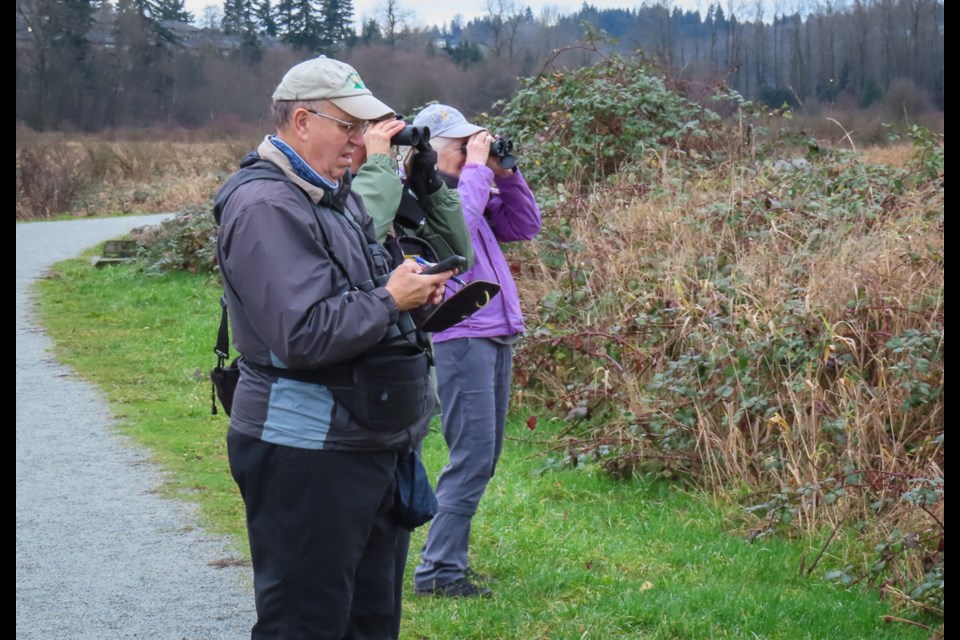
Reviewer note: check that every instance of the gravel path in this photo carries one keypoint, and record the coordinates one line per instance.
(99, 554)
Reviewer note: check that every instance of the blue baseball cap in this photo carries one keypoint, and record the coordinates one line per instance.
(445, 122)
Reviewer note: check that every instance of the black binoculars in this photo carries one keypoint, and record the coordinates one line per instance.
(503, 148)
(412, 136)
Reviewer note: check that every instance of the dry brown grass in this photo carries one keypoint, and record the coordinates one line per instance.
(831, 125)
(894, 155)
(60, 174)
(787, 304)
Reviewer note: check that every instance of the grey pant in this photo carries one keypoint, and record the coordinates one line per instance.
(473, 376)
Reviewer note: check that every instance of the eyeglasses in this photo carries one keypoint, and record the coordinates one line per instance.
(349, 127)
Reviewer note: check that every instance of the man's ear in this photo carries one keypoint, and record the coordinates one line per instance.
(300, 123)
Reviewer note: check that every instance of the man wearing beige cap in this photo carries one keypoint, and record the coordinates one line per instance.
(321, 322)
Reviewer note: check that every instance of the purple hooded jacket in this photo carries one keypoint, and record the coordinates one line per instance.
(511, 215)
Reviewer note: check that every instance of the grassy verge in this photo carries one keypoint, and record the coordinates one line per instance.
(574, 553)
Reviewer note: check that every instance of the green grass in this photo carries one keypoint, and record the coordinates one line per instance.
(574, 553)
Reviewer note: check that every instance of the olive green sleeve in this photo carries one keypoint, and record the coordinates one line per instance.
(379, 185)
(446, 229)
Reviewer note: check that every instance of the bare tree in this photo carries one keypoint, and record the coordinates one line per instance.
(504, 20)
(860, 35)
(664, 34)
(827, 80)
(759, 44)
(778, 15)
(545, 37)
(394, 20)
(211, 16)
(734, 44)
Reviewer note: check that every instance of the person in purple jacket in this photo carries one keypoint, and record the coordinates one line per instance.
(473, 358)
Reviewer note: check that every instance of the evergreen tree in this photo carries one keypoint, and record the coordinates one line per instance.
(267, 18)
(337, 23)
(240, 19)
(465, 53)
(138, 22)
(173, 10)
(371, 33)
(59, 49)
(141, 81)
(298, 22)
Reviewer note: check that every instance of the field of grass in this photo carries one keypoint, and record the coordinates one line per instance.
(80, 176)
(574, 553)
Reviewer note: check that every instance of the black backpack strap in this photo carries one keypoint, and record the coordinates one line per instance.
(252, 168)
(223, 334)
(222, 349)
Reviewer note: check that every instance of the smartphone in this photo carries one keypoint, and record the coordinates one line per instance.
(451, 263)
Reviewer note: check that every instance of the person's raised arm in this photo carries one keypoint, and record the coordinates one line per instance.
(514, 214)
(376, 180)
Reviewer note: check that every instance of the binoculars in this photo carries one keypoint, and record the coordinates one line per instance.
(503, 148)
(412, 136)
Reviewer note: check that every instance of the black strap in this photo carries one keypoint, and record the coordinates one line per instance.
(337, 375)
(223, 334)
(222, 349)
(410, 213)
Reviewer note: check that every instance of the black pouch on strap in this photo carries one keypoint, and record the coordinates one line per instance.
(416, 502)
(390, 389)
(225, 379)
(385, 389)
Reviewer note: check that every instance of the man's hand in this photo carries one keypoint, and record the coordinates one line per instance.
(377, 138)
(410, 290)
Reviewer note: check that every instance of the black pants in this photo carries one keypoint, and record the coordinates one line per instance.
(322, 539)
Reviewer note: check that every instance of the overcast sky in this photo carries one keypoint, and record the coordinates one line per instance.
(442, 11)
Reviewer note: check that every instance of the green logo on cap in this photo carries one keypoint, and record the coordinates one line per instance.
(354, 78)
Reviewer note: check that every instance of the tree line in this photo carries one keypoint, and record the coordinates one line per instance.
(101, 64)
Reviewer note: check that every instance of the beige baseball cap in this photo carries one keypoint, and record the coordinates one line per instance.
(325, 78)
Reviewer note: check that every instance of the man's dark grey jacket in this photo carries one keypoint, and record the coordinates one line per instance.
(282, 256)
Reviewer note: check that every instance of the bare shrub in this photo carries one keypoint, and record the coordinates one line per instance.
(905, 101)
(50, 177)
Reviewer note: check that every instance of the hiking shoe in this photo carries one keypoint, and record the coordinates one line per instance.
(476, 576)
(461, 588)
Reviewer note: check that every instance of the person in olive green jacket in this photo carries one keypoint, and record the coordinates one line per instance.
(430, 210)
